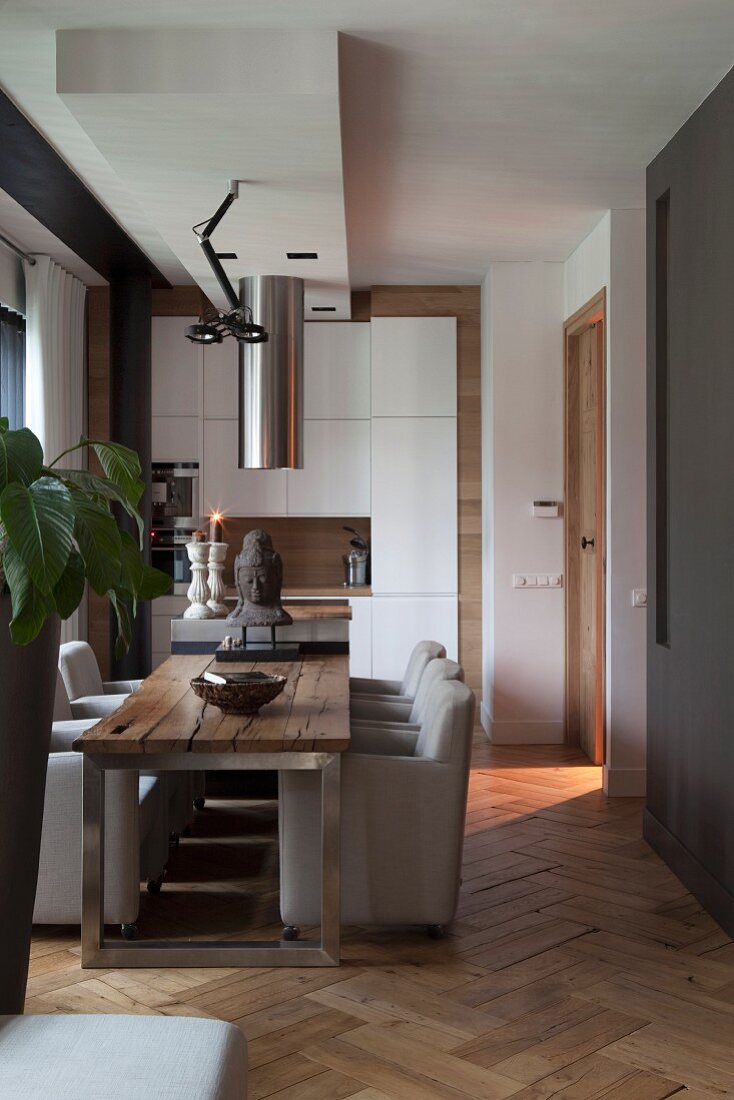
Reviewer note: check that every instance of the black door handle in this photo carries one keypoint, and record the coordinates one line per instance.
(587, 542)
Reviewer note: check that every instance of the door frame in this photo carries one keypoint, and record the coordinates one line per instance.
(592, 313)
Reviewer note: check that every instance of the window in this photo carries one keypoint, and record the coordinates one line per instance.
(12, 367)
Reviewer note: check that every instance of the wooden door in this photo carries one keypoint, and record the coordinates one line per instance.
(585, 549)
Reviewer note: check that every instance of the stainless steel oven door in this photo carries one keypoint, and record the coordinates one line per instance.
(168, 553)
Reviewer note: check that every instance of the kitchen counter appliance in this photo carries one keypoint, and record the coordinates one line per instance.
(176, 495)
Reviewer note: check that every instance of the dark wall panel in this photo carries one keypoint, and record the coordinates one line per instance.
(690, 207)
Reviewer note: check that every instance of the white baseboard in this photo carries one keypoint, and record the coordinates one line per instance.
(625, 782)
(525, 733)
(485, 719)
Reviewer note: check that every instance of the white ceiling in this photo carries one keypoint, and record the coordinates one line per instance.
(472, 130)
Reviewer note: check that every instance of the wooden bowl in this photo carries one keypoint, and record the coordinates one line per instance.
(239, 698)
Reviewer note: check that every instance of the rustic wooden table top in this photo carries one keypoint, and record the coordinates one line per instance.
(311, 714)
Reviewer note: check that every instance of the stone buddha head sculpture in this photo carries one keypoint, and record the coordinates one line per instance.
(258, 578)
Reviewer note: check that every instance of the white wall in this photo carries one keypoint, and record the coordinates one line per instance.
(613, 256)
(522, 402)
(523, 309)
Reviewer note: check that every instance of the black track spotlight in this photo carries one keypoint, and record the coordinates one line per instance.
(203, 334)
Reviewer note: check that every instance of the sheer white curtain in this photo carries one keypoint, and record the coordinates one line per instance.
(55, 359)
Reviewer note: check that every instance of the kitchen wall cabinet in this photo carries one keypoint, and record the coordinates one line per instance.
(176, 366)
(414, 506)
(234, 491)
(335, 479)
(336, 366)
(413, 366)
(398, 622)
(175, 439)
(221, 385)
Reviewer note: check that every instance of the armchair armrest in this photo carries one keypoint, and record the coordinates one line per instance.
(363, 685)
(96, 706)
(121, 687)
(380, 711)
(376, 697)
(382, 741)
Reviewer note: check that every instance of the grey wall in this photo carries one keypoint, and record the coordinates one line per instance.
(690, 815)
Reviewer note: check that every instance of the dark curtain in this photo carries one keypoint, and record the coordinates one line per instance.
(12, 367)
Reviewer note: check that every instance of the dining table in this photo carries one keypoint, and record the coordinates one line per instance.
(164, 726)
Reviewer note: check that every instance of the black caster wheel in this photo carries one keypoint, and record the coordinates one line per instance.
(290, 932)
(129, 931)
(154, 886)
(436, 931)
(199, 803)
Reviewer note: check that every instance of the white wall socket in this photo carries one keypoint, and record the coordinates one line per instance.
(639, 597)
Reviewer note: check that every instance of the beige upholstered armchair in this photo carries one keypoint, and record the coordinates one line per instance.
(403, 806)
(406, 688)
(136, 837)
(89, 696)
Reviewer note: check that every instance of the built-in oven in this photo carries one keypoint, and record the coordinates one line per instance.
(176, 495)
(168, 553)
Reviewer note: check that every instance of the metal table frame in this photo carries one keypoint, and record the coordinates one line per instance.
(98, 952)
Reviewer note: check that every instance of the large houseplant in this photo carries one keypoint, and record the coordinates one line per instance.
(57, 532)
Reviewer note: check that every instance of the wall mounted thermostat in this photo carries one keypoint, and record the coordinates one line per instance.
(546, 509)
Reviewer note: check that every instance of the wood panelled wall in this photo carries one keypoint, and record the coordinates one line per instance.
(462, 302)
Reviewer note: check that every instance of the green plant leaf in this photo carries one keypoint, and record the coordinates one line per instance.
(102, 489)
(4, 424)
(154, 583)
(21, 457)
(124, 628)
(69, 588)
(39, 521)
(138, 580)
(122, 466)
(31, 608)
(98, 539)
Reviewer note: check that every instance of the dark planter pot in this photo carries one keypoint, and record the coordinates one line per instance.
(27, 686)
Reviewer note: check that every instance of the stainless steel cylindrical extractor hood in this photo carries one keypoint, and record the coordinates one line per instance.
(271, 376)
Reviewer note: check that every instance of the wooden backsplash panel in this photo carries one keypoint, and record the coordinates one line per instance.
(311, 547)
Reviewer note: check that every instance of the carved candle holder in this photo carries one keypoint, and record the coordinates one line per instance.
(217, 555)
(198, 592)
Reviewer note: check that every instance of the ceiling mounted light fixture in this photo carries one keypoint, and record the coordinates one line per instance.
(237, 321)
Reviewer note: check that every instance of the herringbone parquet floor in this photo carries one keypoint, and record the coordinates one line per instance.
(578, 966)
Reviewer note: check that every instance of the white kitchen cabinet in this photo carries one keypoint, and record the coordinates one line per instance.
(336, 365)
(413, 366)
(335, 479)
(360, 637)
(398, 622)
(231, 490)
(175, 439)
(221, 386)
(175, 368)
(414, 506)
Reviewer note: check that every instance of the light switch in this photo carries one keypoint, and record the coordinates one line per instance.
(639, 597)
(542, 580)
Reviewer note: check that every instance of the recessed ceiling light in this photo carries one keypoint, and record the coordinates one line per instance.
(226, 255)
(302, 255)
(323, 309)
